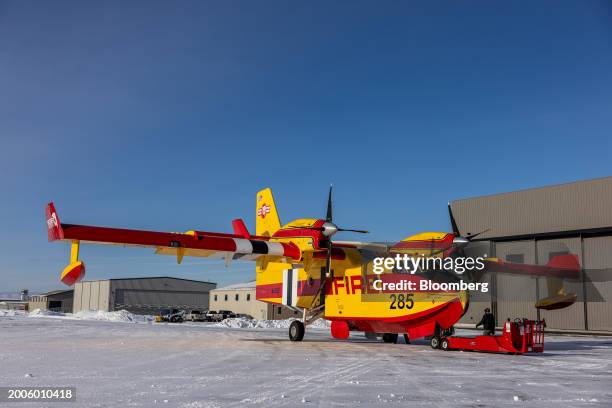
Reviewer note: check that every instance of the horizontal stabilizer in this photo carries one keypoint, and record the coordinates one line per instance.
(240, 228)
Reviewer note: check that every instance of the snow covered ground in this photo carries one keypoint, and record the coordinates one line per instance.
(117, 360)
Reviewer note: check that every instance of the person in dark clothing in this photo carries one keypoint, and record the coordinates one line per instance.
(488, 323)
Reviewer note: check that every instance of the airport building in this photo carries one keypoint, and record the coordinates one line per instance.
(532, 227)
(56, 301)
(142, 295)
(11, 303)
(240, 299)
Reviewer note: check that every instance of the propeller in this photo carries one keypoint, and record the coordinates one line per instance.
(328, 229)
(461, 239)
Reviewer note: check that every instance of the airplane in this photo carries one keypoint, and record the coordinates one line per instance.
(298, 265)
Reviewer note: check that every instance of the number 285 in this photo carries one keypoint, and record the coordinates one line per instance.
(401, 301)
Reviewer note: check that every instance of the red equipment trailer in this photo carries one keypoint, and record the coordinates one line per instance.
(518, 337)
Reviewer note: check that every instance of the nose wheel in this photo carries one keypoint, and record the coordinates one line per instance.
(296, 331)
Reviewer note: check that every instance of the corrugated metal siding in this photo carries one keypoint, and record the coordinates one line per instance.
(104, 297)
(598, 270)
(78, 293)
(151, 295)
(141, 295)
(567, 207)
(94, 293)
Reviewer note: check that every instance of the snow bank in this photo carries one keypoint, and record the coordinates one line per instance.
(244, 323)
(45, 313)
(118, 316)
(11, 313)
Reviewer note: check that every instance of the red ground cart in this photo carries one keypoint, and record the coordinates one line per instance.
(518, 337)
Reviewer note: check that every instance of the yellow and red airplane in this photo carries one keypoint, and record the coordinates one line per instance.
(298, 265)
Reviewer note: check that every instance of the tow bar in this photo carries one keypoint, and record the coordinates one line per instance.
(518, 337)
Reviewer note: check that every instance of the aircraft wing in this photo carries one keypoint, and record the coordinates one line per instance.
(382, 247)
(191, 243)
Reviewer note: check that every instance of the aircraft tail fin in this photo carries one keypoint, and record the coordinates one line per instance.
(54, 227)
(266, 214)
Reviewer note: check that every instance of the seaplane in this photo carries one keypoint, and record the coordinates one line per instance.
(302, 266)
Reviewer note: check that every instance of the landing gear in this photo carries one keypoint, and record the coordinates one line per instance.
(390, 338)
(406, 339)
(371, 335)
(434, 342)
(296, 331)
(298, 327)
(444, 344)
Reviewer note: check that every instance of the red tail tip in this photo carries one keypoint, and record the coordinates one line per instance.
(54, 227)
(240, 228)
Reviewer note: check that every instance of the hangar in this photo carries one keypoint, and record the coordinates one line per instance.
(56, 301)
(240, 298)
(142, 295)
(532, 226)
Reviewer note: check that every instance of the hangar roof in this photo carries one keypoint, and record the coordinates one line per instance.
(56, 292)
(239, 286)
(149, 277)
(578, 207)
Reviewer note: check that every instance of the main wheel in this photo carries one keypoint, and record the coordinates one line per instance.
(390, 337)
(370, 335)
(296, 331)
(444, 344)
(434, 342)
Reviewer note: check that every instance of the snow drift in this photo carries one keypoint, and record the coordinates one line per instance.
(122, 316)
(11, 313)
(244, 323)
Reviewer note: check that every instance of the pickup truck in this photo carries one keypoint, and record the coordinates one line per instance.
(196, 316)
(213, 316)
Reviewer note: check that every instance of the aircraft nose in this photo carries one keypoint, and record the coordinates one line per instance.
(329, 229)
(460, 241)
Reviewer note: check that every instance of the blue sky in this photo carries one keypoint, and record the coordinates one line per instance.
(170, 116)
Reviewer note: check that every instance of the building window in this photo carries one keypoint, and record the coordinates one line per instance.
(226, 298)
(237, 297)
(279, 310)
(515, 258)
(215, 298)
(248, 297)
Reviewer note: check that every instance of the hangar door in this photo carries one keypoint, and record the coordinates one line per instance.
(139, 300)
(571, 317)
(598, 271)
(478, 300)
(516, 294)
